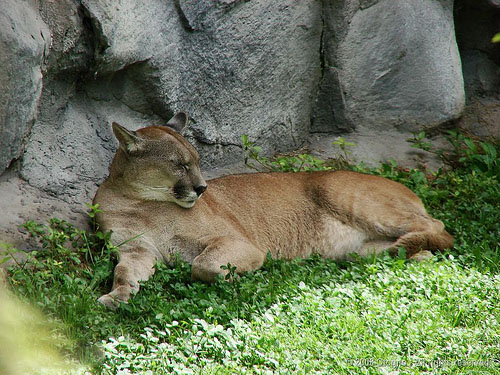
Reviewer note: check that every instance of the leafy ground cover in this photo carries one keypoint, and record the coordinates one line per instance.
(378, 315)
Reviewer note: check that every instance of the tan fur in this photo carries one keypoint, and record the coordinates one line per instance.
(242, 217)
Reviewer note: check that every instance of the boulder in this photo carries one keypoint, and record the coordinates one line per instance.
(396, 62)
(481, 75)
(71, 145)
(236, 67)
(24, 42)
(71, 49)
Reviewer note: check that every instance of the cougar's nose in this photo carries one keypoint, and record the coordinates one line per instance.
(200, 189)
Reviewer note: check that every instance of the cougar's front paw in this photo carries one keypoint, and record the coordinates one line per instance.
(113, 299)
(116, 296)
(110, 301)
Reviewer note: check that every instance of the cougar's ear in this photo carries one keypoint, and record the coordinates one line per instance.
(179, 122)
(129, 140)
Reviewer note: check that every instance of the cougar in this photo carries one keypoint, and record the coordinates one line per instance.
(159, 208)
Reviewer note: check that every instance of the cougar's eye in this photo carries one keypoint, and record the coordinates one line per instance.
(185, 167)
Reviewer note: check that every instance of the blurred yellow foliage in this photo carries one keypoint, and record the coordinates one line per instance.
(26, 343)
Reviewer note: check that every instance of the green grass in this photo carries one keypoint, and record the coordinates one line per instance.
(323, 318)
(378, 315)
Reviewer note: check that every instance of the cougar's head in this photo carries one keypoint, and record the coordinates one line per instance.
(158, 163)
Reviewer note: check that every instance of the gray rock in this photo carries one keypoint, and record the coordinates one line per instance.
(397, 62)
(481, 75)
(374, 147)
(71, 49)
(481, 117)
(21, 202)
(24, 40)
(236, 67)
(329, 113)
(71, 144)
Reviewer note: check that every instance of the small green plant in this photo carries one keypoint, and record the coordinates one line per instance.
(465, 152)
(231, 272)
(479, 156)
(7, 252)
(419, 142)
(344, 145)
(232, 277)
(295, 162)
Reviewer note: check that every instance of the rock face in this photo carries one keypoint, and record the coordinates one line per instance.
(188, 57)
(276, 71)
(395, 63)
(24, 43)
(236, 67)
